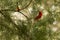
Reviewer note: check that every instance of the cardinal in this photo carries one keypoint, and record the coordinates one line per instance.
(38, 16)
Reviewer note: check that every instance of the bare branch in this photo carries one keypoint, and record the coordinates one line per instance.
(24, 15)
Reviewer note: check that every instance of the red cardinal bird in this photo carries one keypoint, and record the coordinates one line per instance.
(39, 16)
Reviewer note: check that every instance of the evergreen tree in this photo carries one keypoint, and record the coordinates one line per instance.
(17, 20)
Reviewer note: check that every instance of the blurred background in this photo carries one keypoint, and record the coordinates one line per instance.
(15, 26)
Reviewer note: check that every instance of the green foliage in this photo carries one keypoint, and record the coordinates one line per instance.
(29, 30)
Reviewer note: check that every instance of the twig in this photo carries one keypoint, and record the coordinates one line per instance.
(24, 15)
(25, 8)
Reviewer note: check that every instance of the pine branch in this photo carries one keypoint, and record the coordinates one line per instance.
(10, 20)
(17, 6)
(19, 10)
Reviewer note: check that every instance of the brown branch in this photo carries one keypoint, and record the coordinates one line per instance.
(24, 15)
(25, 8)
